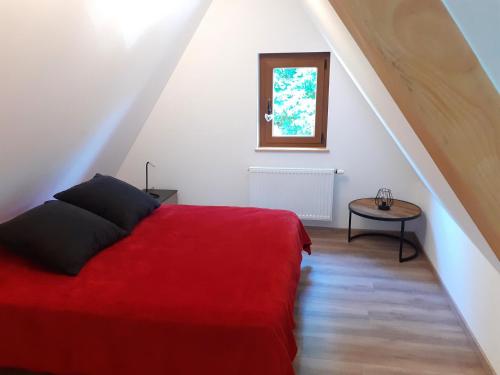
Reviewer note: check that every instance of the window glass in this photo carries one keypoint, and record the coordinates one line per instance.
(294, 101)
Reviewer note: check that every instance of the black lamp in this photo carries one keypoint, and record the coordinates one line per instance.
(148, 163)
(384, 199)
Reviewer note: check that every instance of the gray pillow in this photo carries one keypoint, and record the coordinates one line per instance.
(112, 199)
(59, 235)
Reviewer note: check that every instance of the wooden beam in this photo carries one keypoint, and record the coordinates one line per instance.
(436, 80)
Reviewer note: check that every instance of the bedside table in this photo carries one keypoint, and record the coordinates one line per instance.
(164, 196)
(401, 211)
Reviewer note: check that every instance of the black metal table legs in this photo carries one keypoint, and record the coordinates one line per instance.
(401, 238)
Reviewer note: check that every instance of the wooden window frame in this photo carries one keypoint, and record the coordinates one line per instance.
(269, 61)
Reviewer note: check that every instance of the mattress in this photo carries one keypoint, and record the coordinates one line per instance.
(193, 290)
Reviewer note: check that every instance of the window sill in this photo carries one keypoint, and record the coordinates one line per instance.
(292, 149)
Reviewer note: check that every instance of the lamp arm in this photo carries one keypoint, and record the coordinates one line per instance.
(148, 163)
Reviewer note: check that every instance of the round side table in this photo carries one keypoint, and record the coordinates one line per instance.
(400, 211)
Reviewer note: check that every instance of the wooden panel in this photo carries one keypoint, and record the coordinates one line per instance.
(439, 85)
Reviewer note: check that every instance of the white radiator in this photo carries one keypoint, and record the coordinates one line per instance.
(306, 191)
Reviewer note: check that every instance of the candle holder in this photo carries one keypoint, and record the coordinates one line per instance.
(384, 199)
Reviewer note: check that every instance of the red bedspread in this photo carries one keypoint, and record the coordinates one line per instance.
(193, 290)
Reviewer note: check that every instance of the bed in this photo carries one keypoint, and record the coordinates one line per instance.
(193, 290)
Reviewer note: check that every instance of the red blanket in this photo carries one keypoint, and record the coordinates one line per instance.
(194, 290)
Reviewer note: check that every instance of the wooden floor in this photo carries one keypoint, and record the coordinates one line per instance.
(360, 312)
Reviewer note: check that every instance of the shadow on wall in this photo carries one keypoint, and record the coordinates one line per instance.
(470, 278)
(80, 166)
(83, 164)
(447, 245)
(74, 106)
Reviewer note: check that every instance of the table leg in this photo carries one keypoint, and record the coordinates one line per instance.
(349, 231)
(401, 238)
(401, 241)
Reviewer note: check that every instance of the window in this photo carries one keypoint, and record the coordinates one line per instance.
(293, 99)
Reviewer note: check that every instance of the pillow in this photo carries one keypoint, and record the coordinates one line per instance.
(111, 199)
(59, 235)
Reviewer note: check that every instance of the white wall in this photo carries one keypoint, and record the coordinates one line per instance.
(202, 132)
(78, 79)
(469, 277)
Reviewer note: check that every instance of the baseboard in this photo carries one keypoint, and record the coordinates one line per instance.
(486, 364)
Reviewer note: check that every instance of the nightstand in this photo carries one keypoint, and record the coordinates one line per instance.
(164, 196)
(401, 211)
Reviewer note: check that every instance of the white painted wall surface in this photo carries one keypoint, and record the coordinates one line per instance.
(471, 280)
(202, 133)
(78, 79)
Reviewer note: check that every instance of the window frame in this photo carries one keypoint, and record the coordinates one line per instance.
(269, 61)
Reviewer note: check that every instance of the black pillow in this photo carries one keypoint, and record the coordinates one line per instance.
(111, 199)
(59, 235)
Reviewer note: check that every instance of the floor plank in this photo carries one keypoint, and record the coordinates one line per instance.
(359, 311)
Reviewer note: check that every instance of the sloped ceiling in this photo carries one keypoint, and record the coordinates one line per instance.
(78, 80)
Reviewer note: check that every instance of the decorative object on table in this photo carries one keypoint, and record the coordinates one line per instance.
(154, 195)
(401, 212)
(384, 199)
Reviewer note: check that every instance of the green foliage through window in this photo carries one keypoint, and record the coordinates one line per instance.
(294, 101)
